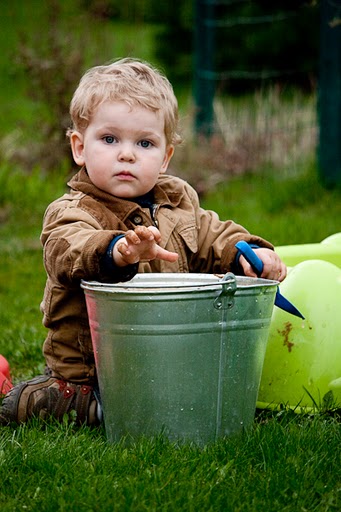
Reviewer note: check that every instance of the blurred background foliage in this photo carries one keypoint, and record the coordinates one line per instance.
(266, 46)
(275, 40)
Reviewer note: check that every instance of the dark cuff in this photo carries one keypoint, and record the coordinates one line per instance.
(115, 273)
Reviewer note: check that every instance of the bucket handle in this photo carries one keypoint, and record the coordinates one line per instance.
(225, 299)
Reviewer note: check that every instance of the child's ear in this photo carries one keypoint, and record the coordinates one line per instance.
(77, 147)
(168, 155)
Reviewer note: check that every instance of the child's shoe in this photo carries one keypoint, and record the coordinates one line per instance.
(46, 396)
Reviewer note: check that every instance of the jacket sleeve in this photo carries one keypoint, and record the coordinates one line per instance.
(217, 239)
(75, 245)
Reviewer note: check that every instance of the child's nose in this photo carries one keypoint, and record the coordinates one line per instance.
(126, 153)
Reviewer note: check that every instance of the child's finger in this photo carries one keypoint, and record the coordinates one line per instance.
(156, 233)
(132, 237)
(122, 248)
(144, 233)
(163, 254)
(282, 273)
(247, 269)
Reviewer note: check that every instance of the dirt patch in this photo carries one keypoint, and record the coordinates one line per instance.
(285, 333)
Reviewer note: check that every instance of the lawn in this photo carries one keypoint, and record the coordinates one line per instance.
(285, 462)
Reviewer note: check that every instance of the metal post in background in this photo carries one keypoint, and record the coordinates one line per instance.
(329, 94)
(204, 84)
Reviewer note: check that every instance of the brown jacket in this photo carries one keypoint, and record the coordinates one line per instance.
(77, 230)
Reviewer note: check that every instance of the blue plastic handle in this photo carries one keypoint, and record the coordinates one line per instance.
(257, 265)
(250, 255)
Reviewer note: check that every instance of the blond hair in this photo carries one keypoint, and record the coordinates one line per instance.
(130, 80)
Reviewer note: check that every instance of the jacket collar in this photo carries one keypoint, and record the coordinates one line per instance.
(168, 191)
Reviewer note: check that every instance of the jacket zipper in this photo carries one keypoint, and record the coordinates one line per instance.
(153, 211)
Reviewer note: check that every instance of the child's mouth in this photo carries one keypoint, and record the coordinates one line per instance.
(125, 176)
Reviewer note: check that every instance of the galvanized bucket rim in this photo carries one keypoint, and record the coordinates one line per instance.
(153, 282)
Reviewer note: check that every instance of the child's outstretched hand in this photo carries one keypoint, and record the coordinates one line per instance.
(141, 245)
(274, 268)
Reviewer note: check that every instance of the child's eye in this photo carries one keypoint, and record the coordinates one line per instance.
(145, 144)
(109, 139)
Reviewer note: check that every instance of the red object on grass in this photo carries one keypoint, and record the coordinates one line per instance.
(5, 378)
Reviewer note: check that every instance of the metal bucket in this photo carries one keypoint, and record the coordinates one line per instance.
(180, 354)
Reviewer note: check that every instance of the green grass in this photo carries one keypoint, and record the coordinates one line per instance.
(285, 462)
(286, 210)
(282, 464)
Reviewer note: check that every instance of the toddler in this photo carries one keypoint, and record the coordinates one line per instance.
(122, 215)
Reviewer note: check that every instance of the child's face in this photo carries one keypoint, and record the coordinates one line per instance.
(124, 149)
